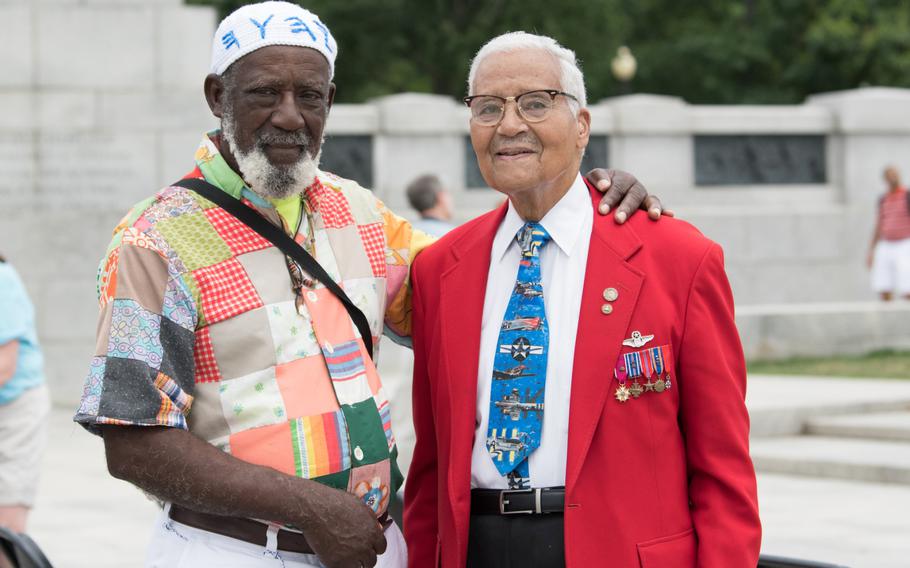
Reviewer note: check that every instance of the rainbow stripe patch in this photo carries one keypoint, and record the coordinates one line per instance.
(320, 444)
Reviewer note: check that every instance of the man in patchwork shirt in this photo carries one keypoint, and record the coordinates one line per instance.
(228, 383)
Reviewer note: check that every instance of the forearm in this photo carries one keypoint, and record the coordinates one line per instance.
(178, 467)
(9, 357)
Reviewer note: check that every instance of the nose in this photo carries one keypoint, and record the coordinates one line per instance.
(287, 115)
(511, 123)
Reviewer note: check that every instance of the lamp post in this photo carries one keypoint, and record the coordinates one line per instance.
(624, 67)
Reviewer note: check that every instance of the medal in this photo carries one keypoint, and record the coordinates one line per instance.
(636, 389)
(622, 393)
(657, 358)
(664, 349)
(647, 363)
(620, 372)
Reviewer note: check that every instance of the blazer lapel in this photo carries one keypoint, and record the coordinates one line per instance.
(600, 335)
(462, 291)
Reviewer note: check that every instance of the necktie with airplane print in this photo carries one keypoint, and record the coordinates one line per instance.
(520, 366)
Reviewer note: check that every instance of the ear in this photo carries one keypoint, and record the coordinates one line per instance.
(214, 94)
(331, 97)
(584, 128)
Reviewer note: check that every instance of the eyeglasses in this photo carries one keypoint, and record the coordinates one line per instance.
(533, 106)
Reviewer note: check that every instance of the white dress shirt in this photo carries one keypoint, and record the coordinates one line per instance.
(562, 264)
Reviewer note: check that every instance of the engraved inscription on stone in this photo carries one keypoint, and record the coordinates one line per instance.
(596, 156)
(17, 162)
(760, 159)
(349, 156)
(92, 169)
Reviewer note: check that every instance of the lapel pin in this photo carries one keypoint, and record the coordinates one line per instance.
(637, 340)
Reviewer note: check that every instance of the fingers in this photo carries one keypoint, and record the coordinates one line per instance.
(368, 561)
(653, 206)
(610, 199)
(622, 183)
(381, 543)
(600, 178)
(633, 199)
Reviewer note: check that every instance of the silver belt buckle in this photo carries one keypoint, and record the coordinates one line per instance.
(503, 502)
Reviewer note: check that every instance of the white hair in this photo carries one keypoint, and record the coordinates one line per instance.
(263, 177)
(571, 79)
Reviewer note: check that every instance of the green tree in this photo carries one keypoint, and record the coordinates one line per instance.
(710, 52)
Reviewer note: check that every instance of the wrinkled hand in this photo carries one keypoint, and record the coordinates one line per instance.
(347, 535)
(622, 189)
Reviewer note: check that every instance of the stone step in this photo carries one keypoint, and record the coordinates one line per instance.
(841, 458)
(874, 426)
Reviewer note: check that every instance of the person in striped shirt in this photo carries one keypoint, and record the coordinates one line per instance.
(889, 253)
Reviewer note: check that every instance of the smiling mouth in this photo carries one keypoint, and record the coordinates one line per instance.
(512, 153)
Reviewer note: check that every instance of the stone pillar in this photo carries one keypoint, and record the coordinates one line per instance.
(651, 137)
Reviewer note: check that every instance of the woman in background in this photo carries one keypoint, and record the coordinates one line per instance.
(24, 402)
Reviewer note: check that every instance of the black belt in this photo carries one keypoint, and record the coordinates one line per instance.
(535, 501)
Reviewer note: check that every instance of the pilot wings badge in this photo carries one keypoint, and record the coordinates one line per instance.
(637, 340)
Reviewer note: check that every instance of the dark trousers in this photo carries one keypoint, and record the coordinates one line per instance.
(516, 541)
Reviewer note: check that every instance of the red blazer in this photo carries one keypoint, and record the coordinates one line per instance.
(663, 481)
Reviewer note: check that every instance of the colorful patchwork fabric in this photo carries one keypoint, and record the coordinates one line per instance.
(201, 328)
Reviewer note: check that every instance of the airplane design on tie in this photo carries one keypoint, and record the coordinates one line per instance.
(499, 446)
(521, 324)
(528, 289)
(515, 407)
(513, 373)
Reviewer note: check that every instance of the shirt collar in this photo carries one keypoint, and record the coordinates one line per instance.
(561, 222)
(217, 171)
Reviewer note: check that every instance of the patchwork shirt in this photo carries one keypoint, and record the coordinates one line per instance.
(206, 326)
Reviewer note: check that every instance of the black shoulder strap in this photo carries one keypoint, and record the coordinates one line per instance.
(289, 246)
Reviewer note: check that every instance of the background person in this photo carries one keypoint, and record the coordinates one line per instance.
(24, 402)
(889, 252)
(433, 201)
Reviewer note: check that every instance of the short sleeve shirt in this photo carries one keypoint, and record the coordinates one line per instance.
(203, 328)
(17, 323)
(894, 216)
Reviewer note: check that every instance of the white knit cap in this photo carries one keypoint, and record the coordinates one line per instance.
(253, 26)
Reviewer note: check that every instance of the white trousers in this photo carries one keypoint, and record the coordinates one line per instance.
(174, 545)
(891, 267)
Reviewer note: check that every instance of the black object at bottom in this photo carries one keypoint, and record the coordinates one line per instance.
(516, 541)
(20, 551)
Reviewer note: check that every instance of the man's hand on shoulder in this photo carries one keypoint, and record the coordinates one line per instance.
(625, 193)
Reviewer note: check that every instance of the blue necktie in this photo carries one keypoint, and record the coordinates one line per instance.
(520, 366)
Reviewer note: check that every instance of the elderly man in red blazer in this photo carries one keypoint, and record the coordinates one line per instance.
(579, 385)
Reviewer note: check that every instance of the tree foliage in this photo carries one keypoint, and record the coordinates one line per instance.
(709, 52)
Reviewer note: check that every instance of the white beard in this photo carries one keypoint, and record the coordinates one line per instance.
(265, 178)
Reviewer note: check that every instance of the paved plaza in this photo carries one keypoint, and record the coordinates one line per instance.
(85, 518)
